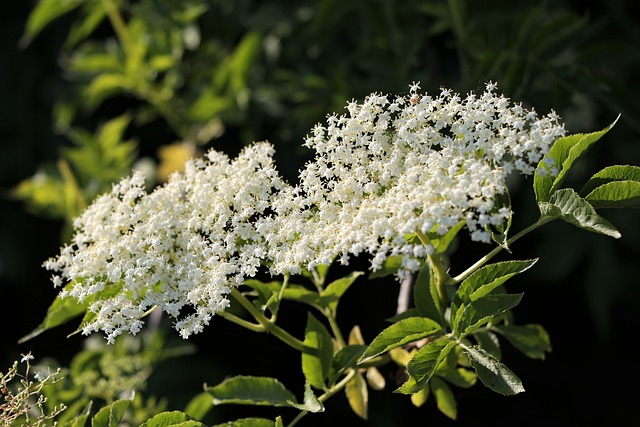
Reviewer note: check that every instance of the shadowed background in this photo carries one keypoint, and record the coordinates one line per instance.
(223, 74)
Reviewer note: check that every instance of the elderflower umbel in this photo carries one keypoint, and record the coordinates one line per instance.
(384, 171)
(391, 167)
(180, 247)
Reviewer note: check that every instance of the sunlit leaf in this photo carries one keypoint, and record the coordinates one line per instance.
(472, 315)
(425, 296)
(611, 174)
(563, 155)
(487, 278)
(424, 363)
(111, 415)
(617, 194)
(568, 206)
(441, 243)
(358, 396)
(43, 14)
(375, 379)
(445, 401)
(199, 405)
(248, 422)
(60, 311)
(172, 419)
(460, 377)
(401, 333)
(419, 398)
(316, 366)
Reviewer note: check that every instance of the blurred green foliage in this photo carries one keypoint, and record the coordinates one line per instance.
(103, 86)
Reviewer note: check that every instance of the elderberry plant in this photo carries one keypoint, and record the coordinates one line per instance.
(394, 179)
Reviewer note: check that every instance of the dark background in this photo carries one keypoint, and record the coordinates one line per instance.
(584, 290)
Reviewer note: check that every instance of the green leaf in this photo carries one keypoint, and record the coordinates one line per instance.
(492, 373)
(401, 333)
(310, 401)
(489, 341)
(568, 206)
(171, 419)
(111, 415)
(94, 14)
(209, 105)
(293, 292)
(424, 363)
(345, 359)
(474, 314)
(105, 85)
(248, 422)
(441, 243)
(358, 396)
(199, 405)
(563, 155)
(45, 12)
(316, 366)
(419, 398)
(425, 295)
(618, 194)
(77, 421)
(241, 62)
(60, 311)
(333, 292)
(445, 401)
(460, 377)
(532, 340)
(487, 278)
(251, 390)
(611, 174)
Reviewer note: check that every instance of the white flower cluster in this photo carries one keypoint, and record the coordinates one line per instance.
(180, 247)
(389, 168)
(382, 172)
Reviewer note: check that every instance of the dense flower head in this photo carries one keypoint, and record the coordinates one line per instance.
(386, 169)
(180, 248)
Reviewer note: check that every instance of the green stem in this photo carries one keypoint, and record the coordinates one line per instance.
(326, 395)
(269, 326)
(241, 322)
(482, 261)
(274, 314)
(335, 328)
(118, 24)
